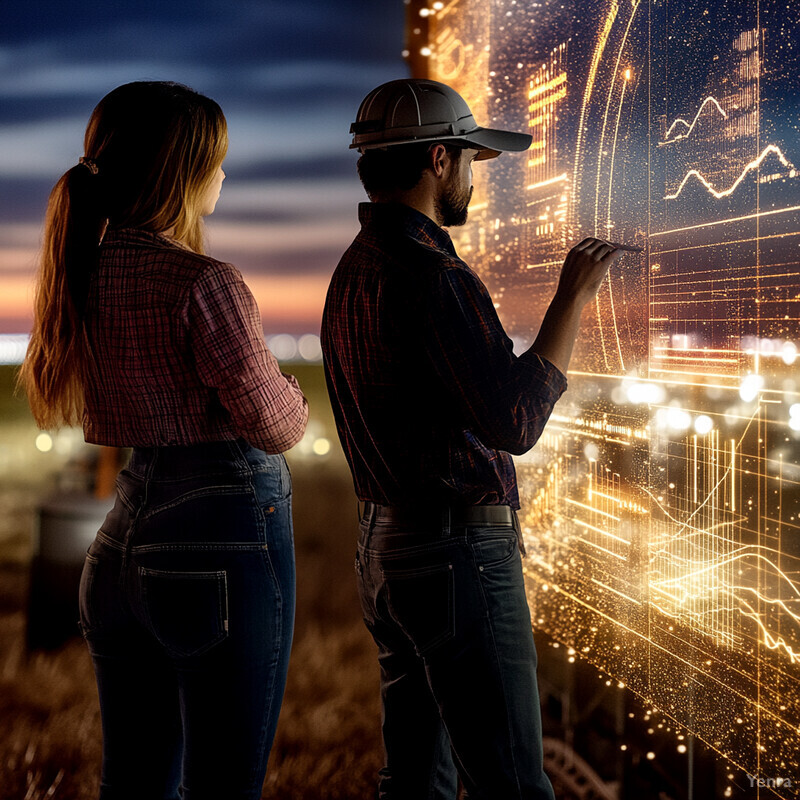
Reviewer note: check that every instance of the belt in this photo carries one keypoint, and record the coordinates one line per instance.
(457, 515)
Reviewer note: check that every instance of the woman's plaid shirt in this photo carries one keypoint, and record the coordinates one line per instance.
(177, 352)
(428, 396)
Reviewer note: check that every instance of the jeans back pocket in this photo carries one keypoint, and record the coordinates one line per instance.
(421, 602)
(494, 550)
(186, 611)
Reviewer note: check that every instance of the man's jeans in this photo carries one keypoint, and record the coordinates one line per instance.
(187, 606)
(447, 609)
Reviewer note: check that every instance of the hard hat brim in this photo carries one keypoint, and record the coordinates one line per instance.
(489, 141)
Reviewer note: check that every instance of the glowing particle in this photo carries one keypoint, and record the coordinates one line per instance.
(321, 446)
(44, 442)
(681, 748)
(678, 419)
(750, 387)
(651, 755)
(425, 51)
(309, 347)
(283, 346)
(703, 424)
(640, 393)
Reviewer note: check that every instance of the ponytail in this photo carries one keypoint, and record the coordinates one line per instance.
(153, 149)
(53, 371)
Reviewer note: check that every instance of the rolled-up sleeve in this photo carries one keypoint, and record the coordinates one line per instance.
(506, 400)
(267, 408)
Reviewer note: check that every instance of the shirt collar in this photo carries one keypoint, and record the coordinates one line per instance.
(411, 222)
(141, 237)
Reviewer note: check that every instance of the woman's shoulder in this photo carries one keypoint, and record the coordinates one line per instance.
(134, 247)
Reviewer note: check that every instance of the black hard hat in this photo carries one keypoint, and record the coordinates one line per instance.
(417, 110)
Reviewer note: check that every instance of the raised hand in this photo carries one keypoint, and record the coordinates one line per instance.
(584, 269)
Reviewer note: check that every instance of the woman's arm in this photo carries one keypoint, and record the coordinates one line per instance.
(267, 408)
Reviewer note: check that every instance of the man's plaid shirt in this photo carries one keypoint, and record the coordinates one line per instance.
(428, 396)
(177, 352)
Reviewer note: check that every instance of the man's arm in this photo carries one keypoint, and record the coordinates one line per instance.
(506, 400)
(502, 399)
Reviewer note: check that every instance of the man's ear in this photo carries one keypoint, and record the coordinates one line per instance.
(438, 159)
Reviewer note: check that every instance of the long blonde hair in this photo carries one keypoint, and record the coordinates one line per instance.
(152, 149)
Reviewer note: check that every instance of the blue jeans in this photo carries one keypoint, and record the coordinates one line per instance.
(447, 609)
(187, 606)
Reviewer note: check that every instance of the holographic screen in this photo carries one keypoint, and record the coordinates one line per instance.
(662, 505)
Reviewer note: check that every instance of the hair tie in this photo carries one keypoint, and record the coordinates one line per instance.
(90, 164)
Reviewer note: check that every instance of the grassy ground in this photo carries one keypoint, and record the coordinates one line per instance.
(328, 741)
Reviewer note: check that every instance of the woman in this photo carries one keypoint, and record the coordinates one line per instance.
(187, 593)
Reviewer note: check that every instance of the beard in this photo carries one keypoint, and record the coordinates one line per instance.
(453, 204)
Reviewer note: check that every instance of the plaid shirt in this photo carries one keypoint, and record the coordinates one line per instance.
(177, 352)
(428, 396)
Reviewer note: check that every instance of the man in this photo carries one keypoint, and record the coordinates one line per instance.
(429, 402)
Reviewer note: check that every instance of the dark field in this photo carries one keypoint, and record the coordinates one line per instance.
(328, 741)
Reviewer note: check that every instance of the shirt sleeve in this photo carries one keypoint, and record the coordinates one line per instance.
(505, 400)
(267, 408)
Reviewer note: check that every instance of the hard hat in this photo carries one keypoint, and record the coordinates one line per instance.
(416, 110)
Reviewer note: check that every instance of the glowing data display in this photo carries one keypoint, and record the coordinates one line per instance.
(662, 505)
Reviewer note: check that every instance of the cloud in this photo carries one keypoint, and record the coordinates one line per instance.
(41, 149)
(84, 79)
(302, 200)
(16, 296)
(289, 302)
(310, 247)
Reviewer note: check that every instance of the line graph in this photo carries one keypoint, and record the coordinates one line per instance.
(689, 126)
(754, 165)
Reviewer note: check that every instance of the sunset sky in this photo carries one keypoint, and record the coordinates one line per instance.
(289, 77)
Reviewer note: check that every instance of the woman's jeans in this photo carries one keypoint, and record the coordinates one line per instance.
(447, 609)
(187, 605)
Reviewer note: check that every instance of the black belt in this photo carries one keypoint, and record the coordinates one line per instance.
(457, 515)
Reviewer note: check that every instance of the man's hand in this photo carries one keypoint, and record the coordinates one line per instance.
(584, 269)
